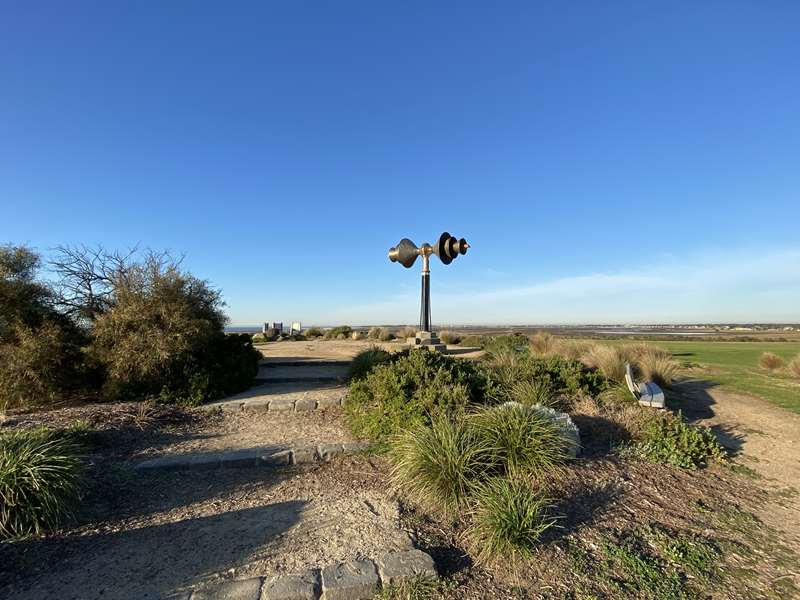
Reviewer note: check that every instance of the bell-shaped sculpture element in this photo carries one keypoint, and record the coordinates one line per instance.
(448, 248)
(406, 253)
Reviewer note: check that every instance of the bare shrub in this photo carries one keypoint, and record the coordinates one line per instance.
(374, 333)
(358, 335)
(770, 361)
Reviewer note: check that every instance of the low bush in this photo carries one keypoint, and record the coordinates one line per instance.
(475, 341)
(410, 389)
(609, 360)
(436, 464)
(40, 481)
(519, 440)
(657, 368)
(770, 361)
(406, 332)
(448, 337)
(313, 332)
(543, 343)
(386, 336)
(508, 519)
(365, 361)
(335, 332)
(794, 366)
(374, 333)
(357, 335)
(667, 439)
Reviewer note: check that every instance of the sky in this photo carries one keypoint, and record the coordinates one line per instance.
(609, 162)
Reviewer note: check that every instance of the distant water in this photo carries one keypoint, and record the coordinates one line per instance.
(649, 332)
(243, 329)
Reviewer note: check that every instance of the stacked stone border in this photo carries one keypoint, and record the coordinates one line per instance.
(277, 404)
(354, 580)
(252, 457)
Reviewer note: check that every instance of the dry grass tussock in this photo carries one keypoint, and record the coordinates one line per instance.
(794, 366)
(658, 368)
(608, 360)
(650, 362)
(406, 332)
(543, 343)
(770, 361)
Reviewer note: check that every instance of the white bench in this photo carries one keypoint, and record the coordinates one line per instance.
(646, 393)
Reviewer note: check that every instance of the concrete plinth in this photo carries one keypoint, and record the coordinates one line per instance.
(428, 340)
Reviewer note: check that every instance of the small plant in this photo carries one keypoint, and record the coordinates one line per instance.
(40, 480)
(658, 368)
(406, 332)
(531, 392)
(448, 337)
(643, 575)
(507, 521)
(693, 554)
(608, 360)
(435, 465)
(794, 366)
(417, 588)
(364, 361)
(770, 361)
(520, 440)
(341, 330)
(669, 440)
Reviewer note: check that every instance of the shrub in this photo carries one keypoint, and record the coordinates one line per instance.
(516, 343)
(530, 392)
(163, 337)
(357, 335)
(412, 387)
(374, 333)
(572, 349)
(448, 337)
(313, 332)
(474, 341)
(794, 366)
(435, 465)
(386, 336)
(365, 361)
(406, 332)
(608, 360)
(669, 440)
(507, 520)
(519, 440)
(658, 368)
(40, 480)
(543, 343)
(770, 361)
(335, 332)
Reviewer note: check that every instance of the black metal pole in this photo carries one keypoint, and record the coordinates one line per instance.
(425, 303)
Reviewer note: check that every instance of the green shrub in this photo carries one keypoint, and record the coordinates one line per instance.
(474, 341)
(507, 343)
(335, 332)
(435, 465)
(365, 361)
(40, 480)
(411, 388)
(669, 440)
(313, 332)
(519, 440)
(163, 337)
(507, 520)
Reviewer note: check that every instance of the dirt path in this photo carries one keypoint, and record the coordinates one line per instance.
(762, 436)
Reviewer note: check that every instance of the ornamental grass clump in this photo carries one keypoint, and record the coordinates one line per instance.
(770, 361)
(40, 481)
(658, 368)
(520, 440)
(530, 392)
(436, 465)
(507, 520)
(608, 360)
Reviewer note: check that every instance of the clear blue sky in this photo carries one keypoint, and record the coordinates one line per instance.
(609, 161)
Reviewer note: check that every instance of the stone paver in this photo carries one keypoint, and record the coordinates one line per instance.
(244, 589)
(305, 404)
(306, 586)
(354, 580)
(395, 567)
(251, 457)
(281, 404)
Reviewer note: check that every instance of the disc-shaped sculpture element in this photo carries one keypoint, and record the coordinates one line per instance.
(406, 253)
(442, 248)
(461, 246)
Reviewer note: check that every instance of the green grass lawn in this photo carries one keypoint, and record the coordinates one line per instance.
(734, 366)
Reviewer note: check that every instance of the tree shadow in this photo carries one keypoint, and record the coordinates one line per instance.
(155, 561)
(691, 397)
(599, 435)
(580, 508)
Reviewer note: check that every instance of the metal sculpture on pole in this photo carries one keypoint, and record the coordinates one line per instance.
(406, 252)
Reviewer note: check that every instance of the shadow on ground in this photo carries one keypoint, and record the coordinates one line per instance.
(153, 561)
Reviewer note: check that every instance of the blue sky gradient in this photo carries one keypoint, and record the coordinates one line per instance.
(609, 162)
